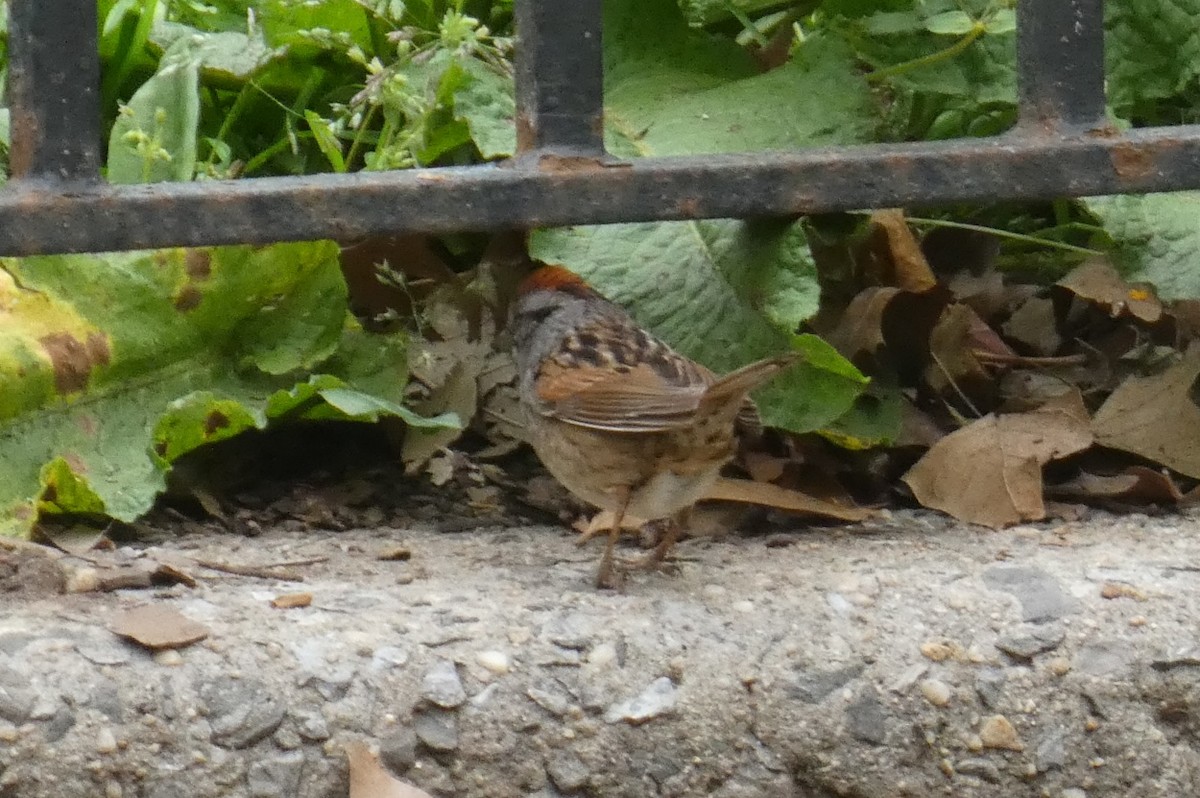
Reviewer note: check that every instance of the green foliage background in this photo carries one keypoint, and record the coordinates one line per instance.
(162, 356)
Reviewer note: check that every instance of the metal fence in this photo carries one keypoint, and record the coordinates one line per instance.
(1061, 146)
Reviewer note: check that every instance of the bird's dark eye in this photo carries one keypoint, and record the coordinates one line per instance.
(536, 315)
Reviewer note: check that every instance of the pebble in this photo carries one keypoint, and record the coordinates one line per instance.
(106, 741)
(908, 677)
(1042, 598)
(442, 686)
(275, 776)
(937, 651)
(437, 730)
(998, 732)
(1027, 643)
(657, 699)
(1051, 753)
(1073, 792)
(168, 658)
(936, 692)
(495, 661)
(552, 698)
(567, 772)
(980, 768)
(602, 654)
(1059, 666)
(745, 605)
(398, 750)
(865, 718)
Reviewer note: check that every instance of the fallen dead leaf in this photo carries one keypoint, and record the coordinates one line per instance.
(289, 601)
(1035, 325)
(955, 369)
(157, 626)
(990, 472)
(1134, 485)
(747, 491)
(369, 779)
(1155, 417)
(897, 253)
(1099, 282)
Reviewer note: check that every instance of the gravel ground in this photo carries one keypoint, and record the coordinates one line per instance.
(905, 657)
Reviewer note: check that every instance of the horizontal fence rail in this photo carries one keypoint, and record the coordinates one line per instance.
(1062, 146)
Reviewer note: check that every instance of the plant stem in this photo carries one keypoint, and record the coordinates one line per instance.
(925, 60)
(978, 228)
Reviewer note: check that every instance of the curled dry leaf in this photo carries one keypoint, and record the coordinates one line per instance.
(1156, 417)
(990, 472)
(1097, 281)
(896, 253)
(369, 779)
(1134, 485)
(157, 626)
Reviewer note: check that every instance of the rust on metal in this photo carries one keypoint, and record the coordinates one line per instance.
(1132, 163)
(1063, 146)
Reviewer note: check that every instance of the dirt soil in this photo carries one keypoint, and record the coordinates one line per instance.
(459, 632)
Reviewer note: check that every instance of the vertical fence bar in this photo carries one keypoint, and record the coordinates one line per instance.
(559, 76)
(1060, 62)
(54, 89)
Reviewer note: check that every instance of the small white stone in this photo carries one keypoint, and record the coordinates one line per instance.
(601, 655)
(745, 605)
(936, 692)
(495, 661)
(106, 742)
(168, 657)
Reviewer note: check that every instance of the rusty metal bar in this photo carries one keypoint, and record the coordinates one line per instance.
(1060, 63)
(33, 220)
(54, 90)
(559, 77)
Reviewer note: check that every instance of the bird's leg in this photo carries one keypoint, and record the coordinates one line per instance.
(608, 576)
(659, 554)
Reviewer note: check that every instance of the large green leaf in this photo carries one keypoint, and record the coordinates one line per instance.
(113, 366)
(1152, 49)
(1157, 237)
(724, 292)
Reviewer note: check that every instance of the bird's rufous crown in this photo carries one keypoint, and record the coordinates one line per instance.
(554, 278)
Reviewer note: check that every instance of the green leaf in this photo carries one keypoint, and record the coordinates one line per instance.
(950, 23)
(327, 142)
(485, 102)
(365, 407)
(1003, 21)
(1151, 49)
(891, 23)
(155, 139)
(1157, 239)
(116, 365)
(672, 90)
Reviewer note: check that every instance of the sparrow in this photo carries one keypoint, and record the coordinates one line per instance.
(621, 419)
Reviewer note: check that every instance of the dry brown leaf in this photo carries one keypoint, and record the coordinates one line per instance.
(77, 539)
(1134, 485)
(1098, 281)
(1155, 417)
(369, 778)
(1035, 325)
(289, 601)
(900, 261)
(990, 472)
(157, 626)
(764, 493)
(952, 345)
